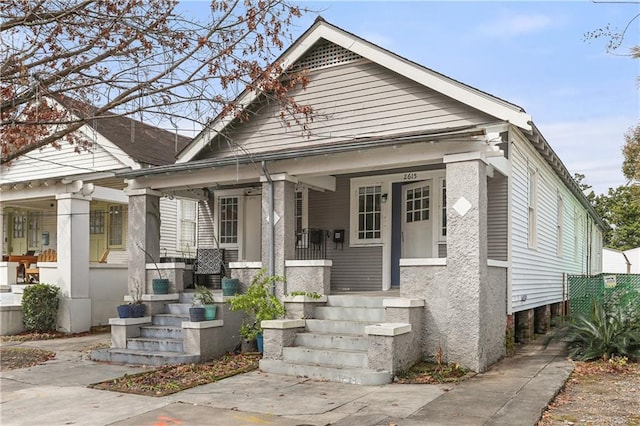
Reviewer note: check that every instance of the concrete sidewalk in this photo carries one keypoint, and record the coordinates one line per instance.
(515, 392)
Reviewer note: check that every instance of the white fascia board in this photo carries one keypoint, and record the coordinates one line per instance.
(110, 195)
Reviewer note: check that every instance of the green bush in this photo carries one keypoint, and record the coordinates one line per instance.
(602, 334)
(40, 307)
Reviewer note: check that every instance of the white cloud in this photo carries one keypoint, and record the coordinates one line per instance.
(592, 147)
(510, 25)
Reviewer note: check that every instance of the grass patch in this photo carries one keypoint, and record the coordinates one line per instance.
(175, 378)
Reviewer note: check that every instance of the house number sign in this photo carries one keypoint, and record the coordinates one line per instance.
(410, 176)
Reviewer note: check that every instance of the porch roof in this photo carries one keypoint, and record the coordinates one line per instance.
(351, 145)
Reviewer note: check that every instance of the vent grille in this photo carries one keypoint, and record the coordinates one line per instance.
(325, 54)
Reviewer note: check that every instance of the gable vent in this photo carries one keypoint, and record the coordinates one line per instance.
(325, 54)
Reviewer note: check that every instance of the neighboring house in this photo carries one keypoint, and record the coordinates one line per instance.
(407, 180)
(621, 262)
(73, 203)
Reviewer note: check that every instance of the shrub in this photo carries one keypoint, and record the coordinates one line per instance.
(602, 334)
(40, 307)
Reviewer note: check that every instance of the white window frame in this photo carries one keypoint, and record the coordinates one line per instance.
(354, 239)
(560, 226)
(532, 225)
(239, 194)
(190, 247)
(121, 208)
(304, 216)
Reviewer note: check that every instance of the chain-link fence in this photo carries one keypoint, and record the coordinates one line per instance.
(608, 289)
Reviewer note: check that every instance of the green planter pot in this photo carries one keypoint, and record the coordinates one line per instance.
(160, 285)
(230, 286)
(210, 312)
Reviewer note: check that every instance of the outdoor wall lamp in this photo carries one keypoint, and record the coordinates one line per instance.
(384, 198)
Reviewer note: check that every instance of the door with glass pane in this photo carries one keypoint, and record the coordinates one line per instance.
(416, 220)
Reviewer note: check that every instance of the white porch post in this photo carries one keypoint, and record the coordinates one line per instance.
(73, 262)
(284, 219)
(143, 232)
(3, 244)
(467, 260)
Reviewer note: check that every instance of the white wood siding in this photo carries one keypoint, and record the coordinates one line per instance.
(50, 162)
(537, 272)
(354, 100)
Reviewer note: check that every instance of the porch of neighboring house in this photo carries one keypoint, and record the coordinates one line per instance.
(71, 235)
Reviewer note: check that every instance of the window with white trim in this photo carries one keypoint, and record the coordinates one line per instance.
(560, 226)
(228, 220)
(187, 221)
(366, 222)
(301, 216)
(115, 229)
(533, 206)
(443, 194)
(35, 225)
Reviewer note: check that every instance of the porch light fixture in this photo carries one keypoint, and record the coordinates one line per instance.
(384, 198)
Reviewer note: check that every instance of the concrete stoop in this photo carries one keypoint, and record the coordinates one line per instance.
(159, 343)
(334, 345)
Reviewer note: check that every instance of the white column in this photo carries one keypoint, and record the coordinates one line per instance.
(74, 312)
(3, 243)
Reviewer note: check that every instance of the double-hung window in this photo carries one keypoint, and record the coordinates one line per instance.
(228, 220)
(366, 213)
(188, 216)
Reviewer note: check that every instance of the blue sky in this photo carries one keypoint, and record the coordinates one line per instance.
(533, 54)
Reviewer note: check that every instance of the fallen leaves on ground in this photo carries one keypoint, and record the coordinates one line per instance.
(13, 358)
(170, 379)
(426, 372)
(597, 393)
(29, 336)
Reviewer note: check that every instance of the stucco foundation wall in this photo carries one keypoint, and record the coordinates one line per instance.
(493, 317)
(11, 320)
(429, 283)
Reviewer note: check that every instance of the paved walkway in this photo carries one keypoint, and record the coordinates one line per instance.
(514, 392)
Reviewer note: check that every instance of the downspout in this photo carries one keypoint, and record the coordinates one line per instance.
(271, 266)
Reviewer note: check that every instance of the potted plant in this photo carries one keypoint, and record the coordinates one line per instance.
(124, 310)
(204, 297)
(229, 285)
(260, 304)
(136, 307)
(196, 311)
(159, 285)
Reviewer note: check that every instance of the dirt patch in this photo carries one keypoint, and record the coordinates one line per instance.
(14, 358)
(598, 393)
(426, 372)
(170, 379)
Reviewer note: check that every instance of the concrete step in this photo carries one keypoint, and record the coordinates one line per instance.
(177, 308)
(350, 313)
(174, 320)
(355, 300)
(4, 288)
(336, 327)
(153, 345)
(131, 356)
(331, 341)
(356, 376)
(327, 357)
(161, 332)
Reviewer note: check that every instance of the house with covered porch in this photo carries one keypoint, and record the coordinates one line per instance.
(445, 200)
(72, 205)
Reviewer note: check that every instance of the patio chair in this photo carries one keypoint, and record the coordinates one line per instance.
(209, 261)
(32, 272)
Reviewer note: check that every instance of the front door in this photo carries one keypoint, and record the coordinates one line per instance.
(416, 220)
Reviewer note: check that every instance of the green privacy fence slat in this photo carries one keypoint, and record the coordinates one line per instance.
(608, 289)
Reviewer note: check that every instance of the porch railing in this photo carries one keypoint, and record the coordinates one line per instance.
(311, 244)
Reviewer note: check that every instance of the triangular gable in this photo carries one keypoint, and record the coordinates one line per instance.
(304, 50)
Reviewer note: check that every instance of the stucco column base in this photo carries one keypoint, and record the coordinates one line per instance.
(312, 276)
(245, 272)
(390, 347)
(278, 334)
(174, 272)
(125, 328)
(74, 315)
(302, 307)
(205, 338)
